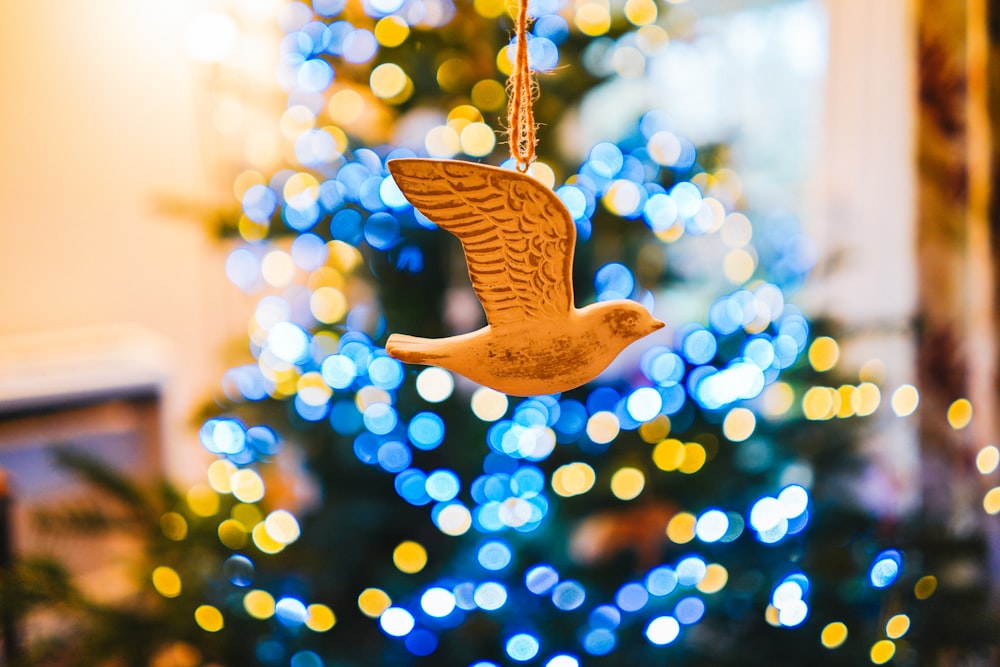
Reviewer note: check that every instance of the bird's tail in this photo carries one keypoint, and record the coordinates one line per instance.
(412, 349)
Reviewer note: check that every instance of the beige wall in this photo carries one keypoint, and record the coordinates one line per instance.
(101, 116)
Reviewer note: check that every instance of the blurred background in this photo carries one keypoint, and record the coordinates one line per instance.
(208, 459)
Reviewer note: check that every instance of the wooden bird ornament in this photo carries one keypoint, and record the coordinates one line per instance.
(519, 241)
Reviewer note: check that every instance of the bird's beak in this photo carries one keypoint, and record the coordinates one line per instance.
(656, 326)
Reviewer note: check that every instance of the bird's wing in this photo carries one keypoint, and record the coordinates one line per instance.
(517, 235)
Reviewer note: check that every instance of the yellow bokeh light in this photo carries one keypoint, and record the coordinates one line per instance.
(248, 515)
(960, 414)
(593, 19)
(462, 115)
(897, 626)
(277, 268)
(373, 601)
(387, 80)
(166, 581)
(905, 400)
(312, 390)
(301, 190)
(824, 353)
(454, 520)
(991, 501)
(328, 305)
(208, 618)
(866, 399)
(442, 141)
(680, 529)
(453, 74)
(391, 31)
(296, 120)
(409, 557)
(819, 403)
(778, 399)
(259, 604)
(264, 542)
(738, 266)
(925, 587)
(174, 526)
(739, 424)
(542, 173)
(603, 427)
(640, 12)
(650, 39)
(845, 401)
(251, 230)
(883, 651)
(282, 526)
(321, 618)
(694, 458)
(573, 479)
(833, 635)
(627, 483)
(247, 486)
(343, 256)
(715, 579)
(488, 404)
(477, 139)
(655, 430)
(346, 106)
(490, 9)
(232, 534)
(202, 500)
(505, 60)
(489, 95)
(987, 459)
(435, 384)
(219, 472)
(246, 180)
(669, 454)
(771, 616)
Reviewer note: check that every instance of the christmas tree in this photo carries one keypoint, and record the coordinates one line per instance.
(692, 505)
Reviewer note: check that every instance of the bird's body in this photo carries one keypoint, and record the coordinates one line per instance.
(518, 239)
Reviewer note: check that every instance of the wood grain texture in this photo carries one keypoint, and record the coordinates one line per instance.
(518, 240)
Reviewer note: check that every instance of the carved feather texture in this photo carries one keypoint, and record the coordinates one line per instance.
(517, 235)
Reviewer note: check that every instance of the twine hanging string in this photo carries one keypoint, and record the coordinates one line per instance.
(520, 96)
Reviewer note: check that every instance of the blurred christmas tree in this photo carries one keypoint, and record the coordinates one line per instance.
(693, 505)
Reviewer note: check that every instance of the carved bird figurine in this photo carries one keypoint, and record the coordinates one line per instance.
(519, 240)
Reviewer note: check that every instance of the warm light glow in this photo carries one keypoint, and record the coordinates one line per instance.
(321, 618)
(391, 31)
(991, 501)
(739, 424)
(202, 500)
(738, 265)
(640, 12)
(373, 601)
(265, 542)
(247, 486)
(866, 398)
(573, 479)
(388, 80)
(778, 399)
(346, 106)
(166, 581)
(834, 635)
(208, 618)
(174, 526)
(897, 626)
(409, 557)
(655, 430)
(905, 400)
(282, 527)
(627, 483)
(477, 139)
(489, 95)
(820, 403)
(233, 534)
(669, 454)
(259, 604)
(883, 651)
(593, 19)
(987, 459)
(715, 579)
(925, 587)
(960, 414)
(489, 405)
(603, 427)
(680, 529)
(219, 472)
(435, 384)
(824, 353)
